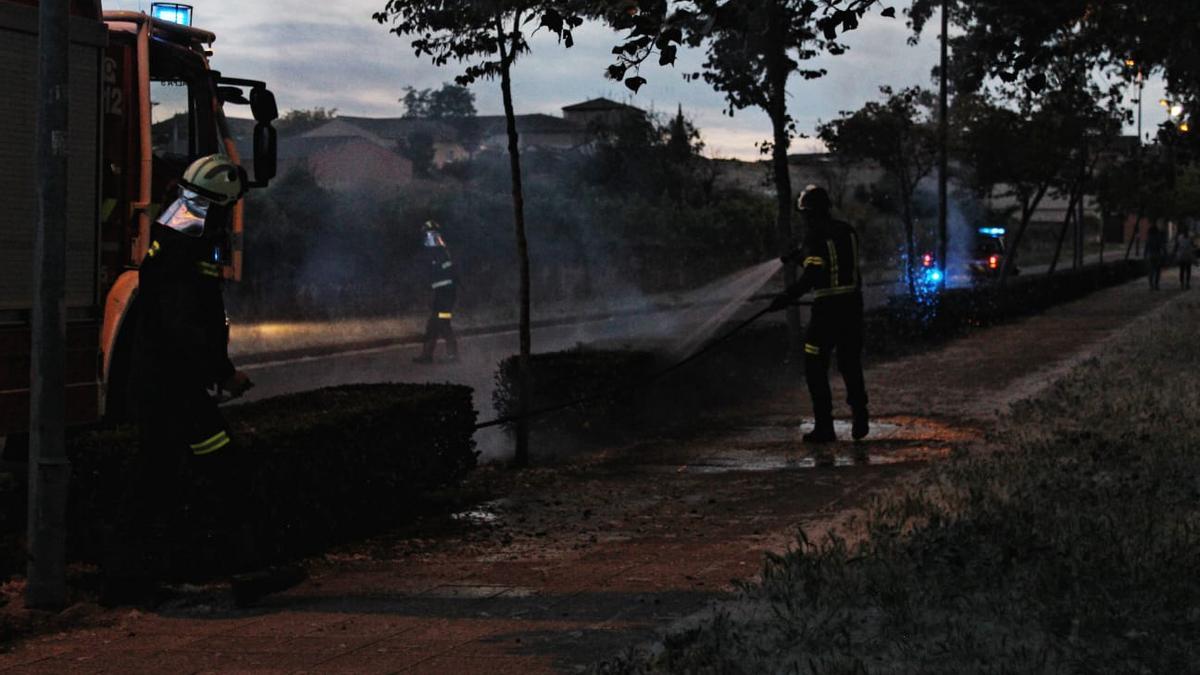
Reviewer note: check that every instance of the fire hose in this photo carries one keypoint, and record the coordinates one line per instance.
(653, 377)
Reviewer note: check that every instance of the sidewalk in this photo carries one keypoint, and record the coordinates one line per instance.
(567, 565)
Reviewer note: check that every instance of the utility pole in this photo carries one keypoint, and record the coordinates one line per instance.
(49, 470)
(943, 150)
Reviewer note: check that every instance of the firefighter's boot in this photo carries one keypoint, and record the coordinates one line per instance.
(426, 355)
(822, 432)
(862, 424)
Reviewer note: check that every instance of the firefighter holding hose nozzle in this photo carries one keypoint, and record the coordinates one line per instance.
(443, 280)
(181, 354)
(829, 257)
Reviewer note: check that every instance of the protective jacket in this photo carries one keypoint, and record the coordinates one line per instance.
(443, 279)
(182, 338)
(830, 265)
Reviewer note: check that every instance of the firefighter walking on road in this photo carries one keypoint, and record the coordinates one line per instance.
(443, 281)
(181, 354)
(831, 271)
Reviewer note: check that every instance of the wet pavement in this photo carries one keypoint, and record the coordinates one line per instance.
(554, 568)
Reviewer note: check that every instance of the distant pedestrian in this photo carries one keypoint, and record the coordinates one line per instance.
(1185, 255)
(443, 280)
(1155, 250)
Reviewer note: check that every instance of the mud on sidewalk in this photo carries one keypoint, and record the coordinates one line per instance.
(557, 567)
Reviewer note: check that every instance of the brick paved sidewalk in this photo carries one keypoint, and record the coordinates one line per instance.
(579, 562)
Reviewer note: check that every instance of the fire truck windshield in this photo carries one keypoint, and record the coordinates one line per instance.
(182, 109)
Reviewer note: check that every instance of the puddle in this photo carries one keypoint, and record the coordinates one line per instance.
(482, 514)
(765, 435)
(751, 462)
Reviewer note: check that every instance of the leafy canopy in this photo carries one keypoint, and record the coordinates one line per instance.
(484, 35)
(452, 101)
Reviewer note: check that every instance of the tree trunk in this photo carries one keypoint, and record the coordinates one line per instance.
(777, 111)
(1062, 234)
(1027, 211)
(944, 150)
(521, 457)
(909, 241)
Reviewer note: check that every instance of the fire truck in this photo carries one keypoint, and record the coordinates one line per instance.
(143, 103)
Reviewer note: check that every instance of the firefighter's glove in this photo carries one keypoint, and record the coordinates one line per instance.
(237, 384)
(795, 256)
(780, 303)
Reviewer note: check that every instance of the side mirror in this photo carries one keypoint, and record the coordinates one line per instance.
(262, 104)
(266, 154)
(232, 95)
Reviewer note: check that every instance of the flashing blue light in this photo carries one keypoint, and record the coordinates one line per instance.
(992, 231)
(172, 12)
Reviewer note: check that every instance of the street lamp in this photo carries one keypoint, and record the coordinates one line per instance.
(1175, 115)
(1130, 63)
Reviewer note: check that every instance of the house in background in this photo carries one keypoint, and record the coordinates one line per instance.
(345, 163)
(600, 112)
(350, 152)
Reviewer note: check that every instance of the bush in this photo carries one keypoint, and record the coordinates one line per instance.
(748, 364)
(908, 323)
(560, 377)
(324, 466)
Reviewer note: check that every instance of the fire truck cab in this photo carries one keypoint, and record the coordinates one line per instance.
(144, 103)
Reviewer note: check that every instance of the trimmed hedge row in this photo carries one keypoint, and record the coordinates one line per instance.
(908, 324)
(749, 364)
(578, 373)
(322, 466)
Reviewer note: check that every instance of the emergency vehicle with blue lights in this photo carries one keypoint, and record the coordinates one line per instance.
(144, 103)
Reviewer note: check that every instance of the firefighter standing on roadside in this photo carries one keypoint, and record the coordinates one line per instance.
(831, 270)
(181, 354)
(443, 280)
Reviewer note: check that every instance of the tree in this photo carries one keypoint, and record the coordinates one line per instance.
(452, 101)
(299, 121)
(1011, 39)
(899, 134)
(489, 36)
(418, 148)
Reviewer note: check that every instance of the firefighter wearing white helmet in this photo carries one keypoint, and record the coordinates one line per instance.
(181, 355)
(831, 271)
(443, 281)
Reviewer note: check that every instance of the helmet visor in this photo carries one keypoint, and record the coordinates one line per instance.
(187, 214)
(434, 240)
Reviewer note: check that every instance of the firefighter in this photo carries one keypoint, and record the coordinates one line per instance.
(830, 262)
(181, 354)
(443, 280)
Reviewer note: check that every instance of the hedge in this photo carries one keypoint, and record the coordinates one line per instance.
(749, 364)
(325, 466)
(578, 373)
(907, 324)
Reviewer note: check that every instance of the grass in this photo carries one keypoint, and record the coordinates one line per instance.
(1071, 545)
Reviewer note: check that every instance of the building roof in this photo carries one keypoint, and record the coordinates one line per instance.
(396, 128)
(599, 105)
(491, 125)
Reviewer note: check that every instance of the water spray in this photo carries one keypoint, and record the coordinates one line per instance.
(654, 377)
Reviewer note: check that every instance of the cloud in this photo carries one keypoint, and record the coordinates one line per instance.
(332, 54)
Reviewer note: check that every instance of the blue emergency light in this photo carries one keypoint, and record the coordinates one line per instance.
(172, 12)
(992, 231)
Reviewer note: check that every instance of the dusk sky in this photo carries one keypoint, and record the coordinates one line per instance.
(334, 55)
